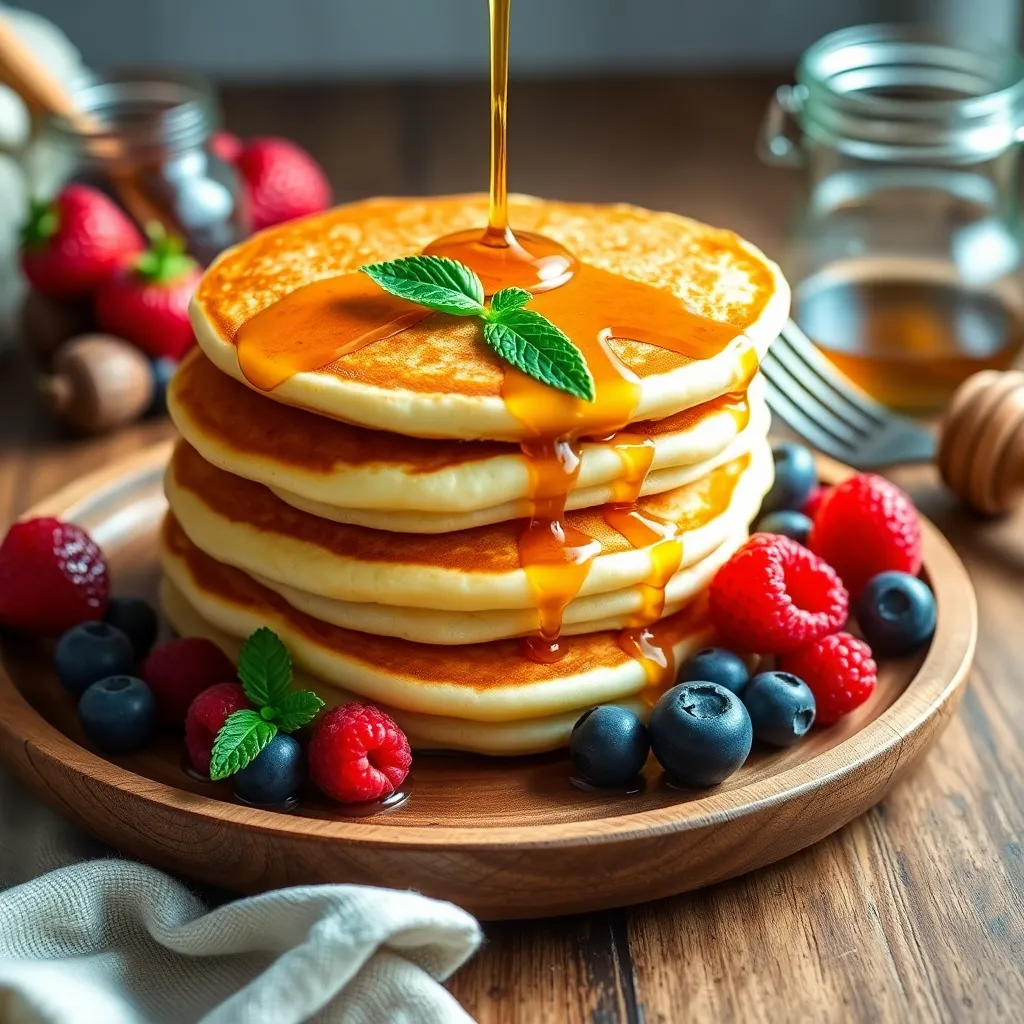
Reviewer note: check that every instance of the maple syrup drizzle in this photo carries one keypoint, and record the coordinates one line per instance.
(641, 639)
(313, 326)
(501, 258)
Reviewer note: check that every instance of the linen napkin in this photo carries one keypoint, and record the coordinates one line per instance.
(89, 939)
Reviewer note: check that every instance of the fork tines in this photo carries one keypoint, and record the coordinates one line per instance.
(806, 391)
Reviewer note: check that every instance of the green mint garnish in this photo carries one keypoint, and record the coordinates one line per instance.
(239, 741)
(265, 671)
(432, 281)
(297, 708)
(265, 668)
(522, 337)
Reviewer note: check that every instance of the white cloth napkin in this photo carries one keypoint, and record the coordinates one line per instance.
(106, 941)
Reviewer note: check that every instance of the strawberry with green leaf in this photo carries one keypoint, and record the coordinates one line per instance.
(146, 301)
(265, 672)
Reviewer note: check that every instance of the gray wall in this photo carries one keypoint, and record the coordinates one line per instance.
(411, 38)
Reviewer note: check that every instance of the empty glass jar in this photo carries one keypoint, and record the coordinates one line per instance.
(905, 252)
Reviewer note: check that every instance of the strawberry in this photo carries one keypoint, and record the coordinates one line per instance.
(146, 302)
(282, 182)
(71, 245)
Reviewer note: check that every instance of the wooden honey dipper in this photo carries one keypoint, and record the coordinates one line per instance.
(981, 441)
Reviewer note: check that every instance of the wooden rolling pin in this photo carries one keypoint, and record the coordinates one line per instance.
(981, 441)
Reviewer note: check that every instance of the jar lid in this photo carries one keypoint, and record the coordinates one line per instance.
(135, 113)
(893, 92)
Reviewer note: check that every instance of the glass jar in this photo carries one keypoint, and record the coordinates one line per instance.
(905, 251)
(144, 139)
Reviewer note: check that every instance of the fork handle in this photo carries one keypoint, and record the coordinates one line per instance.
(981, 446)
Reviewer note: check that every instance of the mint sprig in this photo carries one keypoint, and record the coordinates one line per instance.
(522, 337)
(265, 671)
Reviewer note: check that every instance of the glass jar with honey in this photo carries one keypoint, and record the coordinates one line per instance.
(905, 249)
(144, 138)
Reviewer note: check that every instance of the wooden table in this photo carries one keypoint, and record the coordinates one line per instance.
(915, 912)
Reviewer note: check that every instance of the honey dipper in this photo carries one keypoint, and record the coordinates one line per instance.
(980, 445)
(981, 441)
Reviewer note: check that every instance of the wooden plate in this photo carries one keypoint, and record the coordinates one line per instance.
(503, 838)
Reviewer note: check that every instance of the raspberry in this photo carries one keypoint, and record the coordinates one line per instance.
(179, 670)
(358, 753)
(865, 526)
(206, 714)
(52, 577)
(839, 670)
(813, 504)
(774, 595)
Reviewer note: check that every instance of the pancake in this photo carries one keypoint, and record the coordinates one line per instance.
(614, 610)
(437, 379)
(489, 682)
(411, 485)
(245, 525)
(656, 482)
(425, 732)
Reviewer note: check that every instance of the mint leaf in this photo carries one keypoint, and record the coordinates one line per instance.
(533, 344)
(505, 300)
(297, 708)
(432, 281)
(241, 738)
(265, 668)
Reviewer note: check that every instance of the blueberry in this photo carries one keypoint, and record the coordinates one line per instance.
(700, 733)
(787, 523)
(136, 619)
(274, 775)
(118, 714)
(89, 652)
(795, 478)
(781, 707)
(896, 612)
(715, 665)
(163, 370)
(609, 745)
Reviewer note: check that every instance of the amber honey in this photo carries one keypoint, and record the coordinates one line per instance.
(909, 342)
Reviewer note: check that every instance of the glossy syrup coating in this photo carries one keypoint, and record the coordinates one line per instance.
(981, 447)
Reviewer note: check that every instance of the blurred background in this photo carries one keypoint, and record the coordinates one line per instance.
(268, 40)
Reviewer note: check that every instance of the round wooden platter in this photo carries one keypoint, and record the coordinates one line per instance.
(501, 837)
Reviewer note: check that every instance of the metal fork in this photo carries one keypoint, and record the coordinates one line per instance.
(828, 410)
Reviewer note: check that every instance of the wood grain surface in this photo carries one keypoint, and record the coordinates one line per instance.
(502, 837)
(913, 912)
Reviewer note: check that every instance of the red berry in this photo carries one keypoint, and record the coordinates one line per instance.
(839, 670)
(146, 302)
(226, 145)
(52, 577)
(179, 670)
(358, 753)
(282, 182)
(71, 245)
(813, 504)
(867, 525)
(774, 595)
(206, 714)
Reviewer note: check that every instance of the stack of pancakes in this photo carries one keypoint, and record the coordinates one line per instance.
(371, 511)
